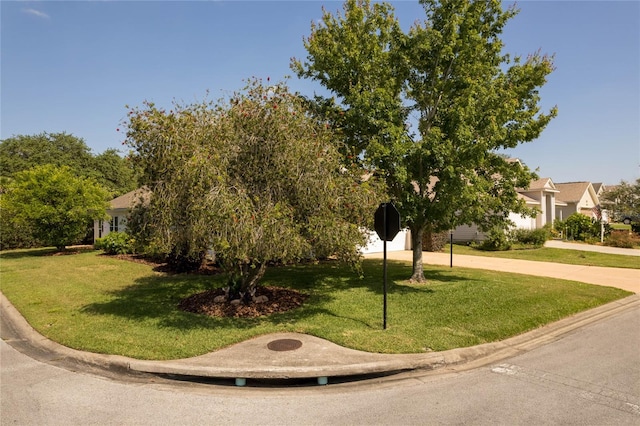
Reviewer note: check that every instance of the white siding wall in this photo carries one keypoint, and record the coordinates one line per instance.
(523, 222)
(401, 242)
(465, 233)
(101, 228)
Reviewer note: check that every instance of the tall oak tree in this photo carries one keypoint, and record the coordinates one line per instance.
(430, 109)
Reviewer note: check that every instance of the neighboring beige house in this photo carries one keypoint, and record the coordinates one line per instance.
(464, 233)
(545, 192)
(578, 197)
(540, 195)
(554, 201)
(118, 211)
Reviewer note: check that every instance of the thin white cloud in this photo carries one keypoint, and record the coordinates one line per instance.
(37, 13)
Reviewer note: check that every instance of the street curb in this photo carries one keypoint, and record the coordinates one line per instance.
(18, 333)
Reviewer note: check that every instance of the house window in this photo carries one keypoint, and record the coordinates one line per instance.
(113, 225)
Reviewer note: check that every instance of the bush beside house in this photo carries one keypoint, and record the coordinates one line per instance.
(116, 243)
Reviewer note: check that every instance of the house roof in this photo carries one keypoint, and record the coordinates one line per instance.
(528, 200)
(598, 186)
(543, 184)
(572, 192)
(127, 200)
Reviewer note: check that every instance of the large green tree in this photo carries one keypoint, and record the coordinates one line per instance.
(54, 204)
(430, 109)
(23, 152)
(256, 179)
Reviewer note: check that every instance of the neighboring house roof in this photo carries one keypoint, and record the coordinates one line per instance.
(528, 200)
(572, 192)
(599, 187)
(541, 184)
(127, 200)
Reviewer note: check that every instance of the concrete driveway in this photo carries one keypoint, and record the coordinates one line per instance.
(626, 279)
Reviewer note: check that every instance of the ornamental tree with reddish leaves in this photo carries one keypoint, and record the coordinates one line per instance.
(255, 178)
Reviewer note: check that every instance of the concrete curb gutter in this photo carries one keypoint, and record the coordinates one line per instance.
(17, 332)
(314, 358)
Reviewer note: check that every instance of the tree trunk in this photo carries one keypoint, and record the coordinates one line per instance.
(250, 278)
(417, 275)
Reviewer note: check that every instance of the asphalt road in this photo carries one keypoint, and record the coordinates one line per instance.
(591, 376)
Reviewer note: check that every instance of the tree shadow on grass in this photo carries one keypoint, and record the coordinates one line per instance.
(44, 251)
(157, 297)
(332, 276)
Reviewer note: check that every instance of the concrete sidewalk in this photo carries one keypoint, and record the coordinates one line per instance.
(594, 248)
(292, 355)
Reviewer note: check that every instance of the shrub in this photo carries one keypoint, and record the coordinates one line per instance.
(622, 239)
(558, 229)
(530, 237)
(434, 241)
(579, 227)
(635, 227)
(497, 240)
(116, 243)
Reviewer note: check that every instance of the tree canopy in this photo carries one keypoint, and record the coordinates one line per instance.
(23, 152)
(54, 204)
(431, 109)
(256, 179)
(623, 200)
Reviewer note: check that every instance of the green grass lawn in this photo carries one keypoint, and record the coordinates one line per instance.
(548, 254)
(620, 226)
(101, 304)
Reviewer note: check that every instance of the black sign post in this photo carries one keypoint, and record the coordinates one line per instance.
(451, 249)
(387, 225)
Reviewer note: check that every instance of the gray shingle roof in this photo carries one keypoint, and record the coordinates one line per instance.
(571, 192)
(127, 200)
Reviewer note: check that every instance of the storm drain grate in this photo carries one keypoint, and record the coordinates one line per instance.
(284, 345)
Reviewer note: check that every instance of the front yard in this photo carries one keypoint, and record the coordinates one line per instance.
(102, 304)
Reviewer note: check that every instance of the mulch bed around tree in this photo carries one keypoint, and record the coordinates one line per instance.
(279, 299)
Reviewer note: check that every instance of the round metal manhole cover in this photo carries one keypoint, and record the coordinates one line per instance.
(284, 345)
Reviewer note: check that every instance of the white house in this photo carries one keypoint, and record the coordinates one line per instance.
(118, 211)
(553, 201)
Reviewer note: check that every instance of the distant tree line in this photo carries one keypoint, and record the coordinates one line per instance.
(52, 186)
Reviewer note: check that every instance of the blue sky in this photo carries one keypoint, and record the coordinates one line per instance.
(73, 66)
